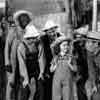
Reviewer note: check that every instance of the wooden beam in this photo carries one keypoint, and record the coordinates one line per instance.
(94, 21)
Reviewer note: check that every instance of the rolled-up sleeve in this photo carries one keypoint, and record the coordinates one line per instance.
(21, 61)
(41, 58)
(9, 41)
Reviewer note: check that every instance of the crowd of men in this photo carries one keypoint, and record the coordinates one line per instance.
(47, 64)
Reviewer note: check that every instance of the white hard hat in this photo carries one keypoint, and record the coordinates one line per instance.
(93, 35)
(82, 30)
(19, 12)
(49, 24)
(31, 31)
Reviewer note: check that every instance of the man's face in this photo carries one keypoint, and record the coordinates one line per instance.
(52, 34)
(92, 45)
(24, 20)
(64, 47)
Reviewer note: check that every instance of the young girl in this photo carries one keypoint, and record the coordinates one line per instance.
(61, 64)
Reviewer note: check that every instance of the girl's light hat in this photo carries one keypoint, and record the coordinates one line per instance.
(60, 40)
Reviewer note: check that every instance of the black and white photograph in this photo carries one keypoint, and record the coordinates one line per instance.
(49, 49)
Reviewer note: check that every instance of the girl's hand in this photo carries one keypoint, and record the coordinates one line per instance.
(53, 68)
(72, 64)
(94, 89)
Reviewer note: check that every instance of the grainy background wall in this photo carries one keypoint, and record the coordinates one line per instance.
(38, 7)
(44, 10)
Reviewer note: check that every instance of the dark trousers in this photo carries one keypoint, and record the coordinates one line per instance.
(48, 88)
(40, 90)
(23, 93)
(27, 93)
(33, 91)
(3, 80)
(81, 92)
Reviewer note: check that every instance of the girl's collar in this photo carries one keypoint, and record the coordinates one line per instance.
(62, 54)
(65, 56)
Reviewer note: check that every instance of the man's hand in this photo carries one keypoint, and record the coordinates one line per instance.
(25, 83)
(41, 76)
(8, 68)
(53, 68)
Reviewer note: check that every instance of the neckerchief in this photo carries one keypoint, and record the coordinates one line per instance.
(65, 57)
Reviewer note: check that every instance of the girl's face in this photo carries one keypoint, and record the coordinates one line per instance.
(64, 47)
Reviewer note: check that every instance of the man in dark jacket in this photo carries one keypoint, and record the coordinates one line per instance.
(80, 52)
(92, 46)
(15, 34)
(51, 33)
(31, 61)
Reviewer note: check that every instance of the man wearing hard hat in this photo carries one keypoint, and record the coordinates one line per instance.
(31, 61)
(79, 50)
(92, 47)
(15, 34)
(52, 31)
